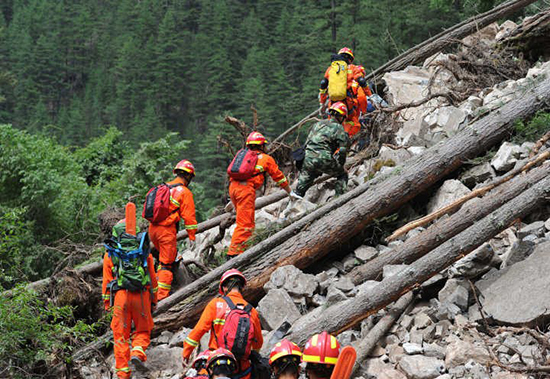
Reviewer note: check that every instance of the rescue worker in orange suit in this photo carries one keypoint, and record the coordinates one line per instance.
(212, 319)
(357, 92)
(321, 354)
(284, 360)
(163, 235)
(129, 307)
(243, 193)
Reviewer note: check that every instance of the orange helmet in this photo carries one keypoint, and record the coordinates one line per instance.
(347, 50)
(228, 274)
(255, 138)
(221, 356)
(200, 362)
(185, 165)
(339, 107)
(322, 348)
(284, 348)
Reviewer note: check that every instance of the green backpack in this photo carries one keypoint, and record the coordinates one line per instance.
(129, 255)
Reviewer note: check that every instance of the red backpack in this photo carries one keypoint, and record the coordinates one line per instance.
(238, 330)
(157, 203)
(242, 166)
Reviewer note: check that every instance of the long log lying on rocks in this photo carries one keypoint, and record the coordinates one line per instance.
(419, 245)
(381, 329)
(346, 314)
(348, 215)
(448, 37)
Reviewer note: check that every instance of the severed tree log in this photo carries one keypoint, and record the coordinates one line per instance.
(476, 193)
(419, 245)
(339, 220)
(448, 37)
(346, 314)
(531, 38)
(368, 343)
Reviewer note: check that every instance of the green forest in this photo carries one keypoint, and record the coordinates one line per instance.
(100, 98)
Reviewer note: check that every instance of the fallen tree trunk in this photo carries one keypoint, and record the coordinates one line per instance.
(381, 329)
(448, 37)
(346, 314)
(532, 38)
(340, 220)
(419, 245)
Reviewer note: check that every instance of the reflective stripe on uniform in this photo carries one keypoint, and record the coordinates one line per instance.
(191, 342)
(174, 201)
(259, 168)
(322, 90)
(282, 180)
(218, 321)
(123, 369)
(191, 227)
(164, 286)
(155, 289)
(106, 296)
(138, 348)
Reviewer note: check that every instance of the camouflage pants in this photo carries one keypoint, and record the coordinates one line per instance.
(315, 167)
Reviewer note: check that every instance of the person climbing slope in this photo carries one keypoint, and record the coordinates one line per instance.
(247, 174)
(166, 205)
(325, 151)
(345, 82)
(130, 290)
(222, 318)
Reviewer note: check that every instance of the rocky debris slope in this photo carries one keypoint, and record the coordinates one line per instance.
(450, 330)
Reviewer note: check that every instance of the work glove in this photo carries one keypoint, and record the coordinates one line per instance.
(192, 245)
(294, 196)
(322, 110)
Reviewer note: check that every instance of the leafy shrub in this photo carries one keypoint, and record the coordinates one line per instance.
(36, 336)
(533, 129)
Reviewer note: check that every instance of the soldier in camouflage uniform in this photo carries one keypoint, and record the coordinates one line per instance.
(326, 149)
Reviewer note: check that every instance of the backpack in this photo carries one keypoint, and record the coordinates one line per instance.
(338, 79)
(129, 255)
(238, 330)
(242, 166)
(157, 203)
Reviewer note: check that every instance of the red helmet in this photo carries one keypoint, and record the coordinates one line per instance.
(255, 138)
(222, 356)
(339, 107)
(201, 360)
(228, 274)
(347, 50)
(322, 348)
(186, 166)
(284, 349)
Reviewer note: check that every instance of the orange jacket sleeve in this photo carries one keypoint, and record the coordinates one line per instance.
(258, 337)
(153, 276)
(203, 326)
(187, 212)
(107, 278)
(271, 167)
(323, 95)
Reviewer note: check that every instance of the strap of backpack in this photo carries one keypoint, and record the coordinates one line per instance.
(230, 302)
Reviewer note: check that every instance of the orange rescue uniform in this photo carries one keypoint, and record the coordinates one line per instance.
(213, 319)
(163, 235)
(130, 307)
(356, 101)
(243, 197)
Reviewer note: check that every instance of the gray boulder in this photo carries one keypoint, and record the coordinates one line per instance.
(478, 174)
(506, 157)
(459, 352)
(450, 191)
(397, 156)
(293, 280)
(164, 361)
(517, 253)
(515, 296)
(421, 367)
(277, 306)
(365, 253)
(537, 228)
(334, 295)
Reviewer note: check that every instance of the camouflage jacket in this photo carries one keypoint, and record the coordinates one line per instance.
(325, 138)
